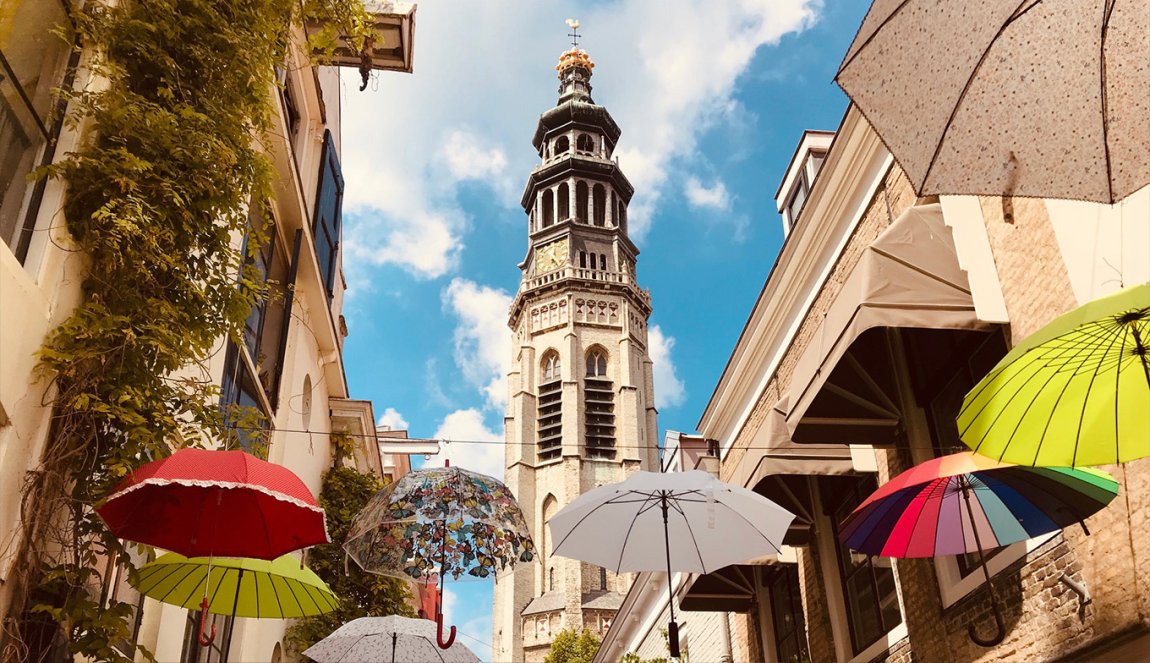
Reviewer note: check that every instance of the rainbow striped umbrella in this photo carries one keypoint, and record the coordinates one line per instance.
(965, 503)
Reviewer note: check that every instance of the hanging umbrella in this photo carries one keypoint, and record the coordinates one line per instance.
(1043, 98)
(965, 503)
(440, 522)
(1076, 392)
(202, 503)
(703, 524)
(239, 587)
(387, 640)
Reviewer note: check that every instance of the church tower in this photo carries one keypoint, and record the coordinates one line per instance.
(581, 410)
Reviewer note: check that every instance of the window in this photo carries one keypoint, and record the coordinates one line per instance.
(548, 208)
(621, 219)
(867, 582)
(33, 60)
(561, 145)
(583, 259)
(243, 404)
(550, 415)
(944, 366)
(585, 143)
(782, 584)
(328, 211)
(118, 589)
(600, 205)
(798, 199)
(602, 579)
(551, 578)
(265, 330)
(564, 202)
(599, 402)
(292, 115)
(217, 652)
(581, 201)
(596, 364)
(603, 261)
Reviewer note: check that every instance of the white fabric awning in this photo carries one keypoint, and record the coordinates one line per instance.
(908, 277)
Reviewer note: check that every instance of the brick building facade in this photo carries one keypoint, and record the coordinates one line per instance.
(835, 386)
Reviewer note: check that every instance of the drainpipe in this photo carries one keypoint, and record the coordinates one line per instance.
(727, 637)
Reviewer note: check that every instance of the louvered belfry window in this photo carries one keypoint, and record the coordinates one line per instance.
(328, 213)
(550, 409)
(599, 403)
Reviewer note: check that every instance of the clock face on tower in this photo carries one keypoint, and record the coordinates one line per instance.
(550, 257)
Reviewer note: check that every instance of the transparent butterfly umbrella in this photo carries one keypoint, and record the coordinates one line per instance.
(439, 523)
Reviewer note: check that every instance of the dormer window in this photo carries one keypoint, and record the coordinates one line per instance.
(796, 187)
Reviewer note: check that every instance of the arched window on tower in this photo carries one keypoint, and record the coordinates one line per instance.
(562, 144)
(596, 364)
(600, 205)
(599, 402)
(551, 579)
(550, 415)
(548, 208)
(581, 201)
(585, 143)
(564, 202)
(621, 219)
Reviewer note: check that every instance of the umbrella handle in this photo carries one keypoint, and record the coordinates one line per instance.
(205, 640)
(999, 635)
(439, 632)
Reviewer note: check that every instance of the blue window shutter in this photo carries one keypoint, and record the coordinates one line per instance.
(328, 213)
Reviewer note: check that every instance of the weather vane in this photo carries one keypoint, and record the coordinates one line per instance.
(574, 34)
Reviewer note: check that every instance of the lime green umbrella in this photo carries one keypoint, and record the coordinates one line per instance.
(240, 587)
(1076, 392)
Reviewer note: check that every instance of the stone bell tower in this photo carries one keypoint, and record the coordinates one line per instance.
(581, 409)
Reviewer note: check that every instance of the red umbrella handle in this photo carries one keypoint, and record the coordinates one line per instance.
(439, 632)
(206, 640)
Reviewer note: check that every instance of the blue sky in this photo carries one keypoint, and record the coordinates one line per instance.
(712, 97)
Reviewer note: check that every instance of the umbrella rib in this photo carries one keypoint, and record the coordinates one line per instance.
(190, 570)
(294, 596)
(1082, 415)
(578, 523)
(627, 539)
(1117, 403)
(152, 572)
(195, 588)
(1104, 99)
(868, 40)
(691, 532)
(1017, 14)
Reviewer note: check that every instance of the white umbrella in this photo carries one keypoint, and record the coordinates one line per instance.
(703, 524)
(389, 639)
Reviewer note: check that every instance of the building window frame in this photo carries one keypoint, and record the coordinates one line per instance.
(829, 547)
(42, 128)
(958, 576)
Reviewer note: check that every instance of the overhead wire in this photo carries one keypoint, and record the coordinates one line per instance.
(798, 445)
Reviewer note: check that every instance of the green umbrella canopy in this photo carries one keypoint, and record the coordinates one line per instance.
(279, 589)
(1076, 392)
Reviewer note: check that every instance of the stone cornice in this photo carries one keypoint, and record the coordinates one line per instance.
(854, 166)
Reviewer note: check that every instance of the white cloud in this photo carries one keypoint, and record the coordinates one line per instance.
(482, 339)
(393, 420)
(468, 158)
(667, 70)
(669, 389)
(447, 602)
(714, 196)
(474, 450)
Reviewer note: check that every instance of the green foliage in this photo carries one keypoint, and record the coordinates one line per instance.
(632, 657)
(157, 193)
(342, 446)
(571, 647)
(344, 494)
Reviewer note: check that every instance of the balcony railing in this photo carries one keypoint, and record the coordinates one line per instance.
(570, 272)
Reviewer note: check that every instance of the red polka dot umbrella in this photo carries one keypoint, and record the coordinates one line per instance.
(202, 503)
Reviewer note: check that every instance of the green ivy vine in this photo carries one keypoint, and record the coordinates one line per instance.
(156, 197)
